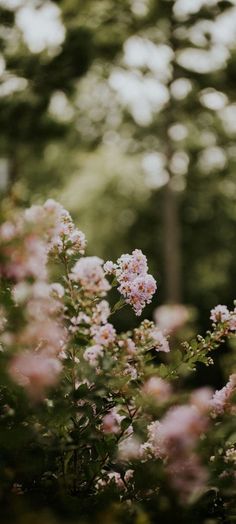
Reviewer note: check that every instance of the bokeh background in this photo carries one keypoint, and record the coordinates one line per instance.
(124, 111)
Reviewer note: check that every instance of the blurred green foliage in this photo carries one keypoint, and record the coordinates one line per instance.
(130, 122)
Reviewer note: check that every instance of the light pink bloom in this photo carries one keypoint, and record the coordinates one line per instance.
(158, 389)
(201, 398)
(57, 289)
(156, 441)
(160, 343)
(230, 455)
(131, 371)
(21, 291)
(3, 319)
(114, 476)
(132, 265)
(52, 206)
(8, 231)
(221, 398)
(88, 272)
(35, 371)
(187, 476)
(111, 422)
(109, 267)
(128, 475)
(34, 214)
(92, 355)
(138, 292)
(44, 332)
(182, 425)
(129, 448)
(220, 314)
(27, 259)
(101, 312)
(104, 335)
(171, 317)
(232, 322)
(130, 347)
(81, 318)
(135, 284)
(63, 235)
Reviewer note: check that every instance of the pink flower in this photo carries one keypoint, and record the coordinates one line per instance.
(34, 214)
(88, 272)
(81, 318)
(63, 235)
(220, 314)
(35, 372)
(187, 476)
(46, 332)
(221, 398)
(131, 371)
(109, 267)
(130, 347)
(8, 231)
(138, 292)
(21, 291)
(28, 259)
(181, 426)
(101, 312)
(128, 475)
(158, 389)
(57, 289)
(132, 265)
(92, 354)
(156, 441)
(104, 335)
(201, 398)
(129, 448)
(115, 477)
(135, 284)
(160, 342)
(232, 322)
(111, 422)
(171, 317)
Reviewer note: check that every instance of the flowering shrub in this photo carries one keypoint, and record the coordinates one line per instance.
(96, 424)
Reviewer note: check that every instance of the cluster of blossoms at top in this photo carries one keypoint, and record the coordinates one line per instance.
(135, 283)
(62, 234)
(88, 273)
(27, 239)
(41, 336)
(23, 251)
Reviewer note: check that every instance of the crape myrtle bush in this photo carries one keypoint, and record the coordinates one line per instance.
(96, 425)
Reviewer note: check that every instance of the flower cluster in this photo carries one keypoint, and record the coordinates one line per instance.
(170, 318)
(35, 371)
(88, 273)
(220, 401)
(221, 314)
(107, 410)
(135, 284)
(150, 336)
(62, 235)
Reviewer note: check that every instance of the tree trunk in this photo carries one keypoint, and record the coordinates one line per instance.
(172, 247)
